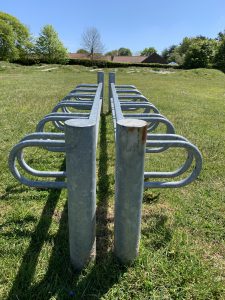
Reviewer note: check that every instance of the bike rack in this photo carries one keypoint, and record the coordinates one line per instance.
(155, 143)
(76, 120)
(135, 136)
(77, 136)
(55, 142)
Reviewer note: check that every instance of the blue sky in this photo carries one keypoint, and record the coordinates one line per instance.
(130, 24)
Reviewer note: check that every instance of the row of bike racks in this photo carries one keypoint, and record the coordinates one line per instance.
(76, 121)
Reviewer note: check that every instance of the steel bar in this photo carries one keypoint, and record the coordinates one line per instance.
(34, 183)
(81, 183)
(111, 80)
(130, 150)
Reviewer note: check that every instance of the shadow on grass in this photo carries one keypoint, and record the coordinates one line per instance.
(15, 188)
(157, 233)
(102, 231)
(59, 281)
(27, 268)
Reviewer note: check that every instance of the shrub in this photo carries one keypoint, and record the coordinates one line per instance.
(110, 64)
(199, 54)
(219, 60)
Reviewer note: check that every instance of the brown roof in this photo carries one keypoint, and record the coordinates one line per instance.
(153, 58)
(129, 59)
(78, 55)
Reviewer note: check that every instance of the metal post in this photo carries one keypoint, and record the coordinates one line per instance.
(130, 151)
(111, 80)
(101, 80)
(81, 184)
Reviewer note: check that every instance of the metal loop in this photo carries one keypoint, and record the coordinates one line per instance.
(193, 154)
(85, 97)
(17, 150)
(156, 143)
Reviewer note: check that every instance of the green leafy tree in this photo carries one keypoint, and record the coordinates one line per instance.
(178, 53)
(221, 35)
(148, 51)
(124, 52)
(82, 51)
(219, 59)
(8, 48)
(112, 53)
(168, 52)
(194, 52)
(200, 53)
(15, 39)
(49, 47)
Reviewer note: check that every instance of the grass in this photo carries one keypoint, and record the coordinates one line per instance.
(182, 246)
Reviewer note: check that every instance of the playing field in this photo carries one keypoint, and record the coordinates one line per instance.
(182, 251)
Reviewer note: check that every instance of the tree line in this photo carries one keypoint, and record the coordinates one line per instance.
(198, 52)
(16, 43)
(127, 52)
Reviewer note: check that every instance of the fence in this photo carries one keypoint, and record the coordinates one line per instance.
(78, 139)
(134, 138)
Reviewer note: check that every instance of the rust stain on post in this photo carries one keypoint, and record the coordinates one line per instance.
(131, 129)
(144, 134)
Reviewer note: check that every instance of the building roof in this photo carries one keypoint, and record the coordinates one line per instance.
(78, 55)
(128, 59)
(153, 58)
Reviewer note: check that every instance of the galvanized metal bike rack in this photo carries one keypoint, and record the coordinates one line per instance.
(133, 139)
(78, 139)
(76, 118)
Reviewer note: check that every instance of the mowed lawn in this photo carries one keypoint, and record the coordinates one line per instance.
(182, 250)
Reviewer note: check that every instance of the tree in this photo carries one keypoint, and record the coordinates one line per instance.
(8, 48)
(168, 52)
(82, 51)
(148, 51)
(193, 52)
(219, 59)
(49, 47)
(221, 35)
(15, 40)
(124, 52)
(91, 42)
(200, 53)
(112, 53)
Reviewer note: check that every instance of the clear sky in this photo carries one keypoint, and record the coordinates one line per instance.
(130, 24)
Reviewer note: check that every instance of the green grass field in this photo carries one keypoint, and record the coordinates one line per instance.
(182, 251)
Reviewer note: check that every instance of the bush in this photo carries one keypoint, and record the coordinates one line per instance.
(199, 55)
(95, 63)
(110, 64)
(220, 56)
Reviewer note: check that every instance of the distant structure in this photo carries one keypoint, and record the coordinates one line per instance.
(78, 56)
(153, 58)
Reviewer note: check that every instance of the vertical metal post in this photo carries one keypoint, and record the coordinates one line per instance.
(101, 80)
(130, 151)
(81, 184)
(111, 80)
